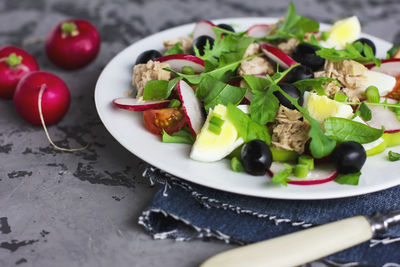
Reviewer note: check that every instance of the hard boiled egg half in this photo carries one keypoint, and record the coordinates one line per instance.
(217, 138)
(322, 107)
(343, 31)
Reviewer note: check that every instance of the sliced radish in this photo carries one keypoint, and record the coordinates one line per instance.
(134, 104)
(204, 27)
(191, 106)
(259, 30)
(322, 173)
(178, 61)
(383, 116)
(277, 56)
(388, 66)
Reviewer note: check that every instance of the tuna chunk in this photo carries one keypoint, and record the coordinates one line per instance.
(290, 131)
(186, 44)
(152, 70)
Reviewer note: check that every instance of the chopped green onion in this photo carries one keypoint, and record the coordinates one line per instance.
(372, 94)
(300, 170)
(215, 119)
(187, 70)
(236, 165)
(306, 160)
(214, 128)
(324, 36)
(174, 103)
(393, 156)
(340, 97)
(392, 51)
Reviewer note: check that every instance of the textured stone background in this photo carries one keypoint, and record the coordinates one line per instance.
(81, 209)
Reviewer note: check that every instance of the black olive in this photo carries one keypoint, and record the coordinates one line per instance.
(226, 27)
(292, 91)
(305, 48)
(299, 73)
(146, 56)
(256, 157)
(305, 54)
(201, 41)
(368, 42)
(349, 157)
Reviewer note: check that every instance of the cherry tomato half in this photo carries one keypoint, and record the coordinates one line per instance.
(168, 119)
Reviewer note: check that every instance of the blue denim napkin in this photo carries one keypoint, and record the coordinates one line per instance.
(183, 211)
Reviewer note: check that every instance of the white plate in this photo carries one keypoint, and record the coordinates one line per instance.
(128, 128)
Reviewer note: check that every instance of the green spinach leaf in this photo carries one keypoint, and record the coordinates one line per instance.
(183, 136)
(246, 127)
(256, 83)
(264, 104)
(341, 130)
(212, 92)
(156, 90)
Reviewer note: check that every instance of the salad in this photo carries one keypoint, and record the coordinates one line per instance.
(283, 100)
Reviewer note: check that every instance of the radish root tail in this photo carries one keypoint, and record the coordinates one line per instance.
(42, 89)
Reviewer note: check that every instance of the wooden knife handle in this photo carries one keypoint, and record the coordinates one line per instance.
(297, 248)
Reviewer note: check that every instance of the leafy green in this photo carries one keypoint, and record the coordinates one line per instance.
(282, 176)
(224, 70)
(236, 165)
(246, 127)
(393, 156)
(172, 83)
(156, 90)
(313, 84)
(352, 51)
(396, 110)
(392, 51)
(364, 112)
(264, 104)
(256, 83)
(183, 136)
(340, 97)
(294, 26)
(341, 130)
(350, 179)
(212, 92)
(191, 78)
(226, 49)
(320, 145)
(176, 49)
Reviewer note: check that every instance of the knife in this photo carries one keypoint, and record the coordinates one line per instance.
(307, 245)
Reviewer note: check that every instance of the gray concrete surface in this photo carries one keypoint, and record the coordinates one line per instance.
(81, 209)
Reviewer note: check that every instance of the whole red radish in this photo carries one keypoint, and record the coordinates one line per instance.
(73, 44)
(55, 97)
(14, 63)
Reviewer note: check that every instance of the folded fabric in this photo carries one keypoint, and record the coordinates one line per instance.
(183, 211)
